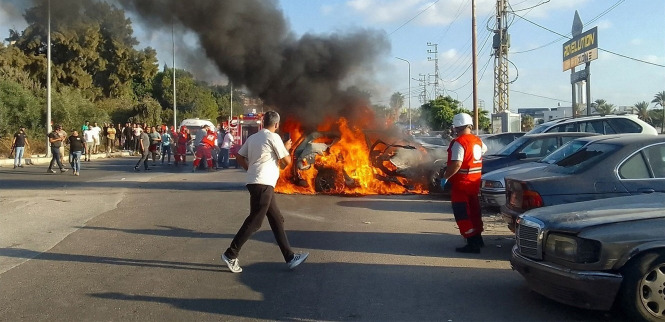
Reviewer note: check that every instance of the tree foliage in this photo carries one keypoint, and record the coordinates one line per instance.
(438, 114)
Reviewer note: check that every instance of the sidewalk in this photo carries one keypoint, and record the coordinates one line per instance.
(42, 159)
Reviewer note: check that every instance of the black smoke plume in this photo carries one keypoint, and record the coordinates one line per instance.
(251, 43)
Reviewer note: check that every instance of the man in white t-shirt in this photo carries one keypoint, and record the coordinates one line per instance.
(225, 145)
(261, 156)
(89, 137)
(96, 131)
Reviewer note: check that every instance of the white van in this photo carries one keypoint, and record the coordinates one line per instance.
(194, 126)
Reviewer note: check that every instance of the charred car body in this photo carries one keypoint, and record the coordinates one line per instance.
(392, 160)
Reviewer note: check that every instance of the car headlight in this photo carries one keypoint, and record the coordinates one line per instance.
(572, 249)
(491, 184)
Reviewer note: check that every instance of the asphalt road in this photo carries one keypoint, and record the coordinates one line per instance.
(116, 245)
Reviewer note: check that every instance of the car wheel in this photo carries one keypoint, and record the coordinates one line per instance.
(326, 181)
(643, 288)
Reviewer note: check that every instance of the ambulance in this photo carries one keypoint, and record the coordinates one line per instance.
(241, 127)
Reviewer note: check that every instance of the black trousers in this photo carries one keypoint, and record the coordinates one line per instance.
(262, 203)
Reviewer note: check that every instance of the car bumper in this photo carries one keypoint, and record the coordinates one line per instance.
(492, 198)
(584, 289)
(509, 216)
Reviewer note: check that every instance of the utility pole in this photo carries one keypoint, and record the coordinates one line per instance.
(435, 52)
(500, 45)
(175, 114)
(48, 82)
(423, 94)
(475, 64)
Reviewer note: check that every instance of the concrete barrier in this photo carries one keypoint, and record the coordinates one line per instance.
(42, 159)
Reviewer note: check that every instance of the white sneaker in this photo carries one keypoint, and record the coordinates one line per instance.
(297, 260)
(232, 264)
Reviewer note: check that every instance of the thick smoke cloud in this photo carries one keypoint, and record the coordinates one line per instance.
(250, 42)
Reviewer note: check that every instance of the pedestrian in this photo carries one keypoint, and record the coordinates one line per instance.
(63, 135)
(464, 168)
(136, 136)
(85, 126)
(144, 149)
(76, 147)
(261, 155)
(96, 132)
(167, 139)
(204, 149)
(225, 148)
(128, 137)
(19, 144)
(88, 137)
(118, 137)
(110, 138)
(183, 140)
(155, 140)
(56, 142)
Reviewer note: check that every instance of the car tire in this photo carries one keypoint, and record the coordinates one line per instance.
(642, 294)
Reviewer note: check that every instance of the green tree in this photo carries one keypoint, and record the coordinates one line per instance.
(396, 104)
(602, 107)
(147, 111)
(527, 123)
(643, 111)
(659, 99)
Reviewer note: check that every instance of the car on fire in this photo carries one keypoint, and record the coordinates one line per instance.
(597, 254)
(395, 159)
(607, 166)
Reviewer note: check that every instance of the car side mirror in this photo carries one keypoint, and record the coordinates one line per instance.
(521, 155)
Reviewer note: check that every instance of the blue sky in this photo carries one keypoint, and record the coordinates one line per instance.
(632, 28)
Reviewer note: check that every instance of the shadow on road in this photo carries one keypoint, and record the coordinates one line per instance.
(347, 291)
(30, 254)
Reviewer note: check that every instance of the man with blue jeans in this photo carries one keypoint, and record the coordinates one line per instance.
(224, 148)
(76, 148)
(56, 142)
(19, 143)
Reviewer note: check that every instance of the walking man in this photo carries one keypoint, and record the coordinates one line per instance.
(88, 137)
(76, 148)
(167, 139)
(144, 149)
(261, 155)
(464, 167)
(18, 145)
(56, 140)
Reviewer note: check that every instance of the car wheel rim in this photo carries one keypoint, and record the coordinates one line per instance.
(652, 290)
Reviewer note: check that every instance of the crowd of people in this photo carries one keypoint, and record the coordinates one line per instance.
(161, 143)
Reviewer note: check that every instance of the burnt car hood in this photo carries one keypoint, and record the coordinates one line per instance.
(573, 217)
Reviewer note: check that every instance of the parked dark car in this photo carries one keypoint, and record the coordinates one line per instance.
(528, 148)
(608, 166)
(493, 184)
(498, 141)
(596, 254)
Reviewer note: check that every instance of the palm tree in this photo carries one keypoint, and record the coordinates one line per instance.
(643, 111)
(659, 99)
(602, 107)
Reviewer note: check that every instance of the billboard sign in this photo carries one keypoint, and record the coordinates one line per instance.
(581, 49)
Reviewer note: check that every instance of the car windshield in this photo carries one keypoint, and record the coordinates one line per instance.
(512, 146)
(586, 157)
(565, 150)
(539, 129)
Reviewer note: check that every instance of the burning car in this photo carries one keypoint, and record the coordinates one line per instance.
(351, 161)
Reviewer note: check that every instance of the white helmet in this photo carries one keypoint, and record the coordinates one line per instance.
(462, 119)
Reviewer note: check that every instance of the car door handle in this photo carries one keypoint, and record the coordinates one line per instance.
(646, 190)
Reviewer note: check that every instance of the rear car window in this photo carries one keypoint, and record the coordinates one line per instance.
(634, 168)
(586, 157)
(622, 125)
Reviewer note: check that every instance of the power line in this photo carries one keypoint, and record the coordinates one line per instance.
(414, 17)
(545, 97)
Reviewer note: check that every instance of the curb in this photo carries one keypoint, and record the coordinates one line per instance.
(42, 159)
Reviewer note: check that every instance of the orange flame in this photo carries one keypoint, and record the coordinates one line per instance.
(345, 168)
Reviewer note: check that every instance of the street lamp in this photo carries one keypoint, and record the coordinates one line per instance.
(48, 82)
(402, 59)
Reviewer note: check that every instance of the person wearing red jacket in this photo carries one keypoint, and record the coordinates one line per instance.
(464, 168)
(204, 149)
(182, 140)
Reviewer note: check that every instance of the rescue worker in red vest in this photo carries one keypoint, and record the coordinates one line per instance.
(182, 141)
(204, 150)
(463, 170)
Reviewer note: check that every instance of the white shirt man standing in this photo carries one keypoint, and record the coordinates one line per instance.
(261, 156)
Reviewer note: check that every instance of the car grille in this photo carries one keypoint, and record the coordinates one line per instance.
(529, 237)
